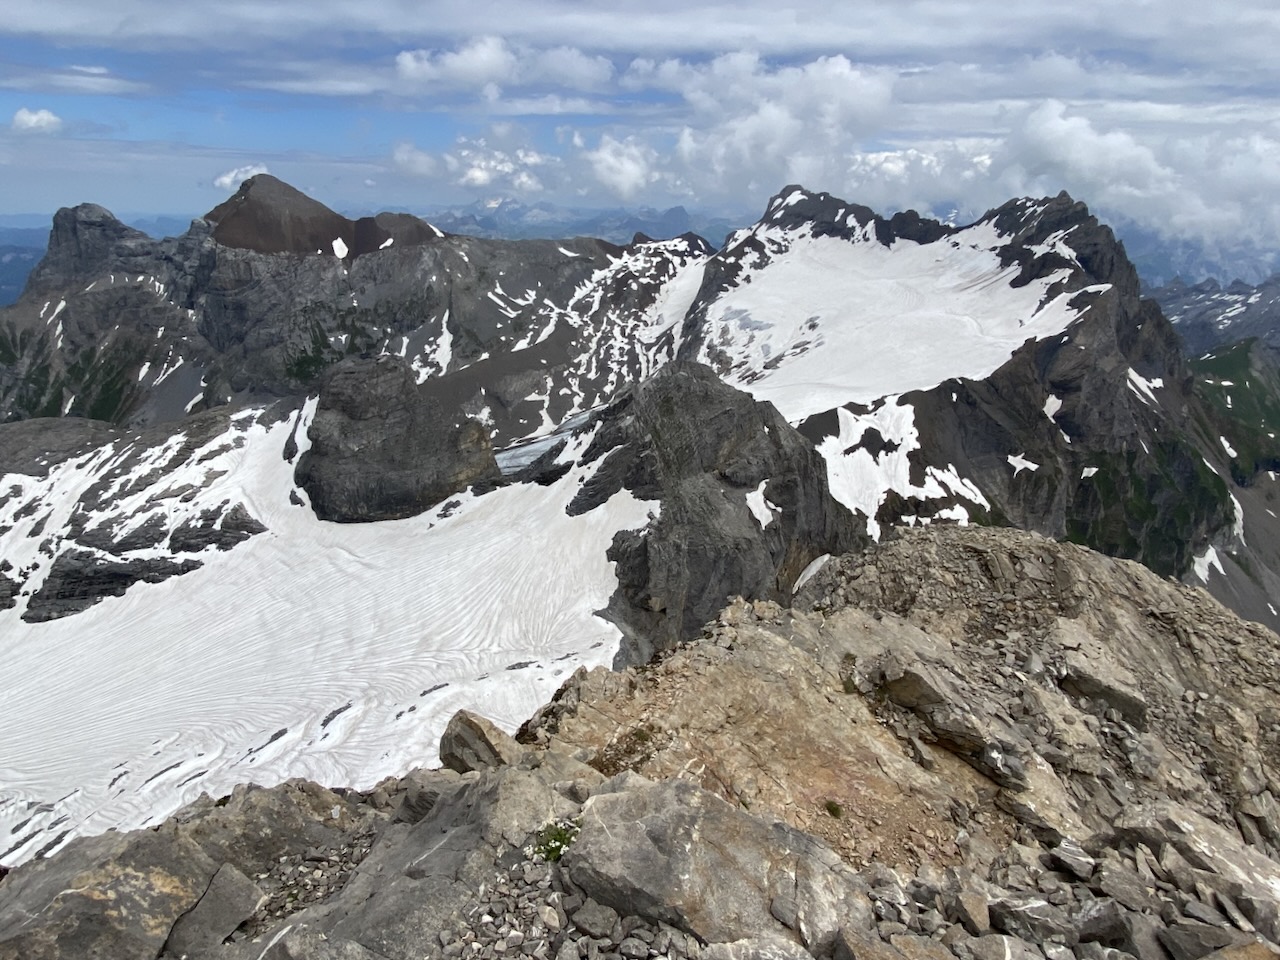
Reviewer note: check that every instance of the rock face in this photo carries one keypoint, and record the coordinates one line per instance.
(139, 506)
(745, 504)
(381, 449)
(267, 215)
(783, 787)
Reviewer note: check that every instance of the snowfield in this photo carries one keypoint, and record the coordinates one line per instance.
(832, 321)
(336, 652)
(825, 321)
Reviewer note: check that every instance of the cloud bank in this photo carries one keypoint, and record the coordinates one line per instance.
(1167, 120)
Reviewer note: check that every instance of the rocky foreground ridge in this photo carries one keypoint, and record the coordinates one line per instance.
(964, 742)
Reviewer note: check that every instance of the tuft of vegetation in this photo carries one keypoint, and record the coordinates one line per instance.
(834, 810)
(550, 843)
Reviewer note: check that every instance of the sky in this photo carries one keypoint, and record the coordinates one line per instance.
(1164, 114)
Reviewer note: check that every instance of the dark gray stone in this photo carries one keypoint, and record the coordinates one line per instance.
(382, 449)
(674, 853)
(964, 901)
(1124, 885)
(595, 918)
(1191, 941)
(230, 900)
(1101, 920)
(1032, 918)
(1070, 856)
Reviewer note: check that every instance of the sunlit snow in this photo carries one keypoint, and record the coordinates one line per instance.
(1205, 562)
(187, 682)
(830, 321)
(760, 507)
(1020, 463)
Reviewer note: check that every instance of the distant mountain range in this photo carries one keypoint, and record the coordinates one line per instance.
(1208, 315)
(512, 219)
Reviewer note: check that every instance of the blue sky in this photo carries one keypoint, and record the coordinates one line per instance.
(1163, 113)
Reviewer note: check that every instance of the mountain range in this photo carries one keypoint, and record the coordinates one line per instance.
(281, 494)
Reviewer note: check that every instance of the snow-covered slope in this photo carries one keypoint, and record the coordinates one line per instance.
(332, 651)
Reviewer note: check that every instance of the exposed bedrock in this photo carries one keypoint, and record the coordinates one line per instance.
(381, 449)
(745, 505)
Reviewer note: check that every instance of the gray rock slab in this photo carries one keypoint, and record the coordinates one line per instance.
(230, 900)
(675, 853)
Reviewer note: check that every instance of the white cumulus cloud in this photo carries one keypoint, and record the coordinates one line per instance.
(624, 166)
(232, 179)
(36, 121)
(480, 63)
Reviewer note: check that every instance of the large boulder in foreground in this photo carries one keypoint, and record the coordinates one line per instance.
(675, 853)
(383, 450)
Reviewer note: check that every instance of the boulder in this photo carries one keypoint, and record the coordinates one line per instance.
(230, 900)
(472, 742)
(675, 853)
(1030, 917)
(1220, 858)
(102, 898)
(1191, 940)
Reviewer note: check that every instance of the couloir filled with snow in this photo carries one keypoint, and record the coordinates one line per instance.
(331, 651)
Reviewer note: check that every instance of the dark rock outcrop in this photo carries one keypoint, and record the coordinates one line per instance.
(707, 452)
(381, 449)
(79, 579)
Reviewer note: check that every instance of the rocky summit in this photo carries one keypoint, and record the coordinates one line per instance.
(969, 743)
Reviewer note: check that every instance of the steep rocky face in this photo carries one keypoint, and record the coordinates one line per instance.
(969, 744)
(745, 505)
(381, 449)
(1063, 405)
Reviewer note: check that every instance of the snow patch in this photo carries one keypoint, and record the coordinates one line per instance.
(825, 321)
(291, 628)
(1020, 463)
(339, 248)
(1143, 387)
(810, 571)
(760, 508)
(861, 482)
(1205, 562)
